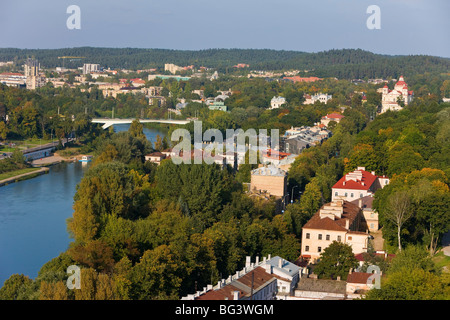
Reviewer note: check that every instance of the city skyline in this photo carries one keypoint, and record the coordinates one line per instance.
(407, 27)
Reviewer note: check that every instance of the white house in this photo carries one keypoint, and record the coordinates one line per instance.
(277, 102)
(358, 184)
(321, 97)
(390, 98)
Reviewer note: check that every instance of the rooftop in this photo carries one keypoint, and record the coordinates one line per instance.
(335, 216)
(358, 179)
(269, 171)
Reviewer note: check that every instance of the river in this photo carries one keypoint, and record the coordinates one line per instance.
(33, 216)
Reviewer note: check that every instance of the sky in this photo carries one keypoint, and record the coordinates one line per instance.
(408, 27)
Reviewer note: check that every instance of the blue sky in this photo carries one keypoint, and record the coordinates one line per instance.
(407, 26)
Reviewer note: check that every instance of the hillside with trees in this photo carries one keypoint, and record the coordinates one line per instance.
(343, 64)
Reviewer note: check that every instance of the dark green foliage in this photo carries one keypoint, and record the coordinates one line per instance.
(336, 260)
(346, 63)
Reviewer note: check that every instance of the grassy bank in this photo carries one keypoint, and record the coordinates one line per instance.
(14, 173)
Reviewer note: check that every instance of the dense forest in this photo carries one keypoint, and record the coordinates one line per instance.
(343, 64)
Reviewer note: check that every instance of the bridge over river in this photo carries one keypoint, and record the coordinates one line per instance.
(107, 122)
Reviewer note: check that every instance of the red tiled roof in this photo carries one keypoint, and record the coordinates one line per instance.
(358, 277)
(364, 184)
(10, 74)
(350, 213)
(156, 154)
(334, 116)
(300, 79)
(258, 276)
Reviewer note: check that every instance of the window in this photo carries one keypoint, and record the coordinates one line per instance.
(320, 236)
(372, 226)
(360, 195)
(336, 193)
(349, 238)
(307, 236)
(319, 249)
(306, 248)
(346, 194)
(372, 215)
(351, 195)
(328, 237)
(339, 238)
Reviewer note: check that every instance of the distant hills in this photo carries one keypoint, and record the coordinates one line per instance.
(343, 63)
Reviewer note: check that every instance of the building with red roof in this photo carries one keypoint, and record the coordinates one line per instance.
(338, 220)
(296, 79)
(260, 280)
(337, 117)
(358, 184)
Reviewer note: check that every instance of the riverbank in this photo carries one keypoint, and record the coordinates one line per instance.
(24, 176)
(54, 159)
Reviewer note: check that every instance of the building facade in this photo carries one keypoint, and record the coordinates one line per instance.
(390, 98)
(269, 180)
(90, 67)
(358, 184)
(321, 97)
(268, 279)
(277, 102)
(339, 221)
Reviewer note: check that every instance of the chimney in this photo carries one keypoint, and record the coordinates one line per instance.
(268, 257)
(209, 287)
(235, 295)
(219, 284)
(373, 173)
(268, 268)
(280, 263)
(338, 278)
(350, 271)
(360, 203)
(247, 261)
(257, 260)
(347, 224)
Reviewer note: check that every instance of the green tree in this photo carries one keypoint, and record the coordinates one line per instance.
(336, 260)
(3, 130)
(416, 284)
(13, 286)
(158, 275)
(136, 129)
(410, 258)
(311, 199)
(398, 212)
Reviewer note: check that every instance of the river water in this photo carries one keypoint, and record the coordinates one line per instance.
(33, 216)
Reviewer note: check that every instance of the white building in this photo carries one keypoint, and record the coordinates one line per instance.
(172, 68)
(358, 184)
(321, 97)
(259, 280)
(277, 102)
(90, 67)
(390, 98)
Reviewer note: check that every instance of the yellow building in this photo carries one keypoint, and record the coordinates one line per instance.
(340, 221)
(270, 179)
